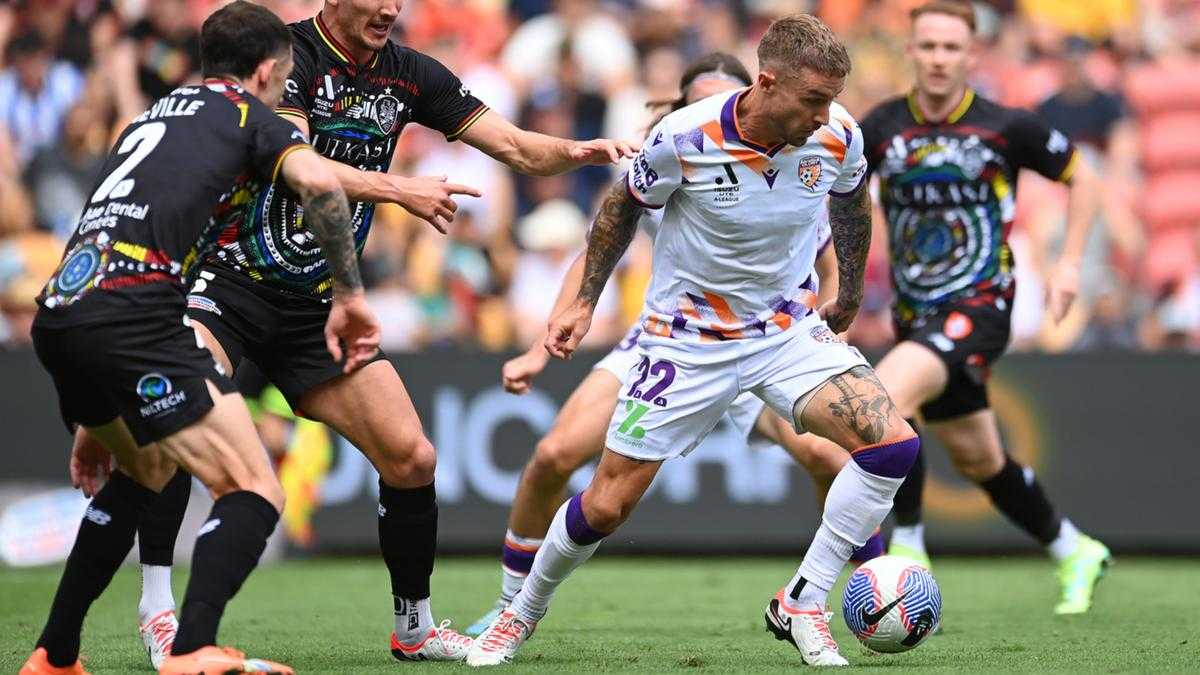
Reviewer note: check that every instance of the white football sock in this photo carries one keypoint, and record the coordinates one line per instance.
(1066, 541)
(511, 580)
(510, 584)
(912, 536)
(156, 592)
(858, 502)
(556, 559)
(414, 622)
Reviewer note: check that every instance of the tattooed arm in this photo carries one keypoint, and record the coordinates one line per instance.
(850, 223)
(611, 233)
(351, 327)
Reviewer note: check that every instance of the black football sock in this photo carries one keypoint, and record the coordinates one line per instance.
(159, 526)
(105, 538)
(228, 547)
(1017, 494)
(906, 506)
(408, 538)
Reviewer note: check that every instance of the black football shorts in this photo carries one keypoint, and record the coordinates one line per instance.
(282, 333)
(968, 335)
(151, 372)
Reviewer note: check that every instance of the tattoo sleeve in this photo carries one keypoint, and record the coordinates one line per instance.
(850, 223)
(611, 233)
(327, 216)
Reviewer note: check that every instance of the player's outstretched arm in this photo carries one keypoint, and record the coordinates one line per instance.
(517, 373)
(611, 232)
(537, 154)
(429, 198)
(1084, 200)
(352, 327)
(850, 223)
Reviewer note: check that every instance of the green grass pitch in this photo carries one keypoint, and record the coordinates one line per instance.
(657, 615)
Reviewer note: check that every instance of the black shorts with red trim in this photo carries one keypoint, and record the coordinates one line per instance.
(150, 371)
(282, 333)
(968, 335)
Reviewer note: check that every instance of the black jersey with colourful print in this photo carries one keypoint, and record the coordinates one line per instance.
(162, 193)
(355, 113)
(948, 191)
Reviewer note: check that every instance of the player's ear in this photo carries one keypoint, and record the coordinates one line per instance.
(766, 79)
(262, 74)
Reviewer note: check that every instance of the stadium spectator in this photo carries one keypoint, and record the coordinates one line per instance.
(35, 92)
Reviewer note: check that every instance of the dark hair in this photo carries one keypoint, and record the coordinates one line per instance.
(955, 8)
(721, 63)
(29, 42)
(235, 39)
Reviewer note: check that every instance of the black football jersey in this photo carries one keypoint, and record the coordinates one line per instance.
(948, 191)
(355, 115)
(168, 180)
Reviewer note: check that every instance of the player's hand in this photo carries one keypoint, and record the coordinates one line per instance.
(837, 317)
(602, 151)
(518, 373)
(91, 463)
(430, 198)
(566, 330)
(352, 331)
(1061, 289)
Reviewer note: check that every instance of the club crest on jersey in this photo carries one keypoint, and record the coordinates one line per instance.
(810, 172)
(387, 112)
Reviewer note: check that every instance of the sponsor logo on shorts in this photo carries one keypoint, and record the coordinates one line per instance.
(159, 394)
(822, 333)
(941, 342)
(629, 431)
(958, 326)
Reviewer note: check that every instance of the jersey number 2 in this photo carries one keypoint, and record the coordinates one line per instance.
(141, 143)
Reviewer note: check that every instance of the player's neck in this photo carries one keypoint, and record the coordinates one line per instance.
(754, 126)
(936, 108)
(353, 48)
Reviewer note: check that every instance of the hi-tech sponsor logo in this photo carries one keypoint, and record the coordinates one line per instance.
(156, 390)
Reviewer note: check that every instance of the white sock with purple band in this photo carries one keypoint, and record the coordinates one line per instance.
(515, 563)
(568, 544)
(859, 499)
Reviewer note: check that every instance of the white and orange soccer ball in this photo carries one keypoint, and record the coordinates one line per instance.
(891, 604)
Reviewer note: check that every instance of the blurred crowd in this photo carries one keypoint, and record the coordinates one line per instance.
(1120, 77)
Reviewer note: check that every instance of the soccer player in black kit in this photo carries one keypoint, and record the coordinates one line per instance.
(264, 293)
(132, 377)
(947, 161)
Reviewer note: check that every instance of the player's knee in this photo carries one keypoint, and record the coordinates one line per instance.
(890, 458)
(413, 467)
(606, 512)
(553, 459)
(977, 467)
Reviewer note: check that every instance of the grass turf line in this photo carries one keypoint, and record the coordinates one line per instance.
(655, 615)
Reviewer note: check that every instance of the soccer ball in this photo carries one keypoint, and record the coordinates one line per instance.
(891, 604)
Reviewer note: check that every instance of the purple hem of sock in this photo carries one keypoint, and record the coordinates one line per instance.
(577, 526)
(892, 460)
(516, 559)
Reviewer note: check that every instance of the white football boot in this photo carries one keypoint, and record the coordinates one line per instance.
(440, 644)
(807, 630)
(498, 643)
(158, 634)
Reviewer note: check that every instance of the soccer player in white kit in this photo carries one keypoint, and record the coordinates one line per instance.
(731, 309)
(577, 435)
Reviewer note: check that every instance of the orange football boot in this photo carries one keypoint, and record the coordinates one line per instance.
(214, 660)
(38, 664)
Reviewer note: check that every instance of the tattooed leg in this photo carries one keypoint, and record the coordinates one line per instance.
(853, 410)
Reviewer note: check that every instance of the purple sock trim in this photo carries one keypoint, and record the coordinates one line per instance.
(577, 526)
(873, 548)
(517, 560)
(892, 460)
